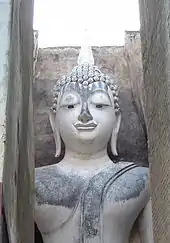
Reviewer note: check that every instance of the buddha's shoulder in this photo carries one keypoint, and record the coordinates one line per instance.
(48, 174)
(133, 182)
(134, 168)
(46, 169)
(133, 175)
(53, 175)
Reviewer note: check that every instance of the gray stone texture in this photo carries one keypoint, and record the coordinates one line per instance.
(155, 36)
(125, 63)
(18, 173)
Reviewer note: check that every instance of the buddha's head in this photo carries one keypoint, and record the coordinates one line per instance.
(85, 113)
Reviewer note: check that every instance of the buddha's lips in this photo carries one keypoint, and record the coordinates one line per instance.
(85, 126)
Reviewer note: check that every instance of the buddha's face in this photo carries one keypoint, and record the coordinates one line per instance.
(85, 116)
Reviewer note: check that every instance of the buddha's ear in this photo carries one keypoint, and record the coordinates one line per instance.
(115, 134)
(54, 125)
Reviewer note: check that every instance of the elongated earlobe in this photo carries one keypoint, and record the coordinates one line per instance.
(52, 118)
(115, 135)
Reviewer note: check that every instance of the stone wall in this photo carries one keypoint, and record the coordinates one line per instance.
(18, 171)
(134, 61)
(53, 63)
(155, 36)
(4, 23)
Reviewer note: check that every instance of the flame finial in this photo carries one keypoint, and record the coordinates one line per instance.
(85, 55)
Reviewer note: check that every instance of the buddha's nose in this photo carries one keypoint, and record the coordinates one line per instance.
(85, 116)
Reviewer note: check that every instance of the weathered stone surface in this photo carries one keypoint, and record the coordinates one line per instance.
(155, 36)
(53, 63)
(4, 44)
(18, 173)
(4, 23)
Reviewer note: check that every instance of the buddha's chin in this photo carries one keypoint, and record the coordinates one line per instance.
(87, 136)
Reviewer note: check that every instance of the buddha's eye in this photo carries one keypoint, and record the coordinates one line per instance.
(99, 106)
(70, 106)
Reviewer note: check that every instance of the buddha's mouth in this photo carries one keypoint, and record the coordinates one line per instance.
(85, 126)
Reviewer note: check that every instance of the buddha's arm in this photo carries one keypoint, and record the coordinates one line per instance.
(142, 230)
(145, 224)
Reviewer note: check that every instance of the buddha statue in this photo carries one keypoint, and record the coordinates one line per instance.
(86, 197)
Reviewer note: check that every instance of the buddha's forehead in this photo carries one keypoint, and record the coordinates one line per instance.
(85, 91)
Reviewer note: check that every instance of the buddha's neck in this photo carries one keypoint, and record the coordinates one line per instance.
(84, 160)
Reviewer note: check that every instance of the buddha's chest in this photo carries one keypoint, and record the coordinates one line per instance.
(68, 188)
(59, 224)
(81, 201)
(61, 188)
